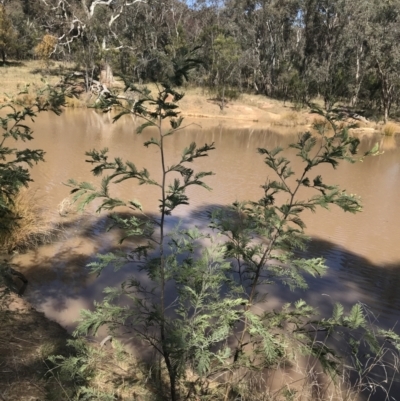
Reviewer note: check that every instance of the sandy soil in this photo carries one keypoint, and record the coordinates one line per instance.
(248, 110)
(260, 112)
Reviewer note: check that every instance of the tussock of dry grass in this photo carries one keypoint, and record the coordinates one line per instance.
(389, 129)
(113, 371)
(28, 99)
(27, 227)
(321, 124)
(66, 207)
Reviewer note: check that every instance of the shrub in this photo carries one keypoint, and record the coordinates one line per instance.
(212, 336)
(46, 48)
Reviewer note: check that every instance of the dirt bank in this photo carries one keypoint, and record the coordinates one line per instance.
(27, 338)
(260, 112)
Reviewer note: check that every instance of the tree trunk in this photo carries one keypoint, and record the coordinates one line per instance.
(386, 113)
(222, 105)
(386, 92)
(386, 99)
(328, 103)
(106, 74)
(354, 100)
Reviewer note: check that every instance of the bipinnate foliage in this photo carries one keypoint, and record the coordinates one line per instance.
(15, 163)
(213, 329)
(264, 239)
(148, 318)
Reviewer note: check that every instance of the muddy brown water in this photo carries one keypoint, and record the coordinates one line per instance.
(362, 250)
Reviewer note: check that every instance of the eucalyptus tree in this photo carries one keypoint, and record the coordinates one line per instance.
(162, 33)
(85, 26)
(224, 69)
(7, 34)
(279, 38)
(357, 51)
(269, 38)
(27, 28)
(384, 44)
(324, 63)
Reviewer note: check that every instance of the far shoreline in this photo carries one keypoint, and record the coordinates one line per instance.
(253, 111)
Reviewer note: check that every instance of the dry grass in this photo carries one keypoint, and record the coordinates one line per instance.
(250, 108)
(108, 371)
(311, 384)
(76, 103)
(27, 227)
(66, 207)
(319, 124)
(28, 99)
(115, 372)
(14, 78)
(27, 338)
(291, 119)
(388, 143)
(118, 373)
(390, 129)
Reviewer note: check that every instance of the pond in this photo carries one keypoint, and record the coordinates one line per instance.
(361, 250)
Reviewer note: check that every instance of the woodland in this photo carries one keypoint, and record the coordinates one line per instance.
(298, 50)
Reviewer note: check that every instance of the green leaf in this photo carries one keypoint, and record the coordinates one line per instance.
(140, 129)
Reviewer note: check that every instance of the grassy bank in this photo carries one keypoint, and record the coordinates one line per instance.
(15, 76)
(197, 103)
(245, 111)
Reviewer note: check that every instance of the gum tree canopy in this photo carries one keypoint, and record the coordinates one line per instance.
(90, 28)
(7, 34)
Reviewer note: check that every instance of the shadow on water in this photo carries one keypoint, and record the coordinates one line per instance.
(58, 272)
(60, 283)
(350, 278)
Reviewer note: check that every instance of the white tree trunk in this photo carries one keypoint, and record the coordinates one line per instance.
(106, 74)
